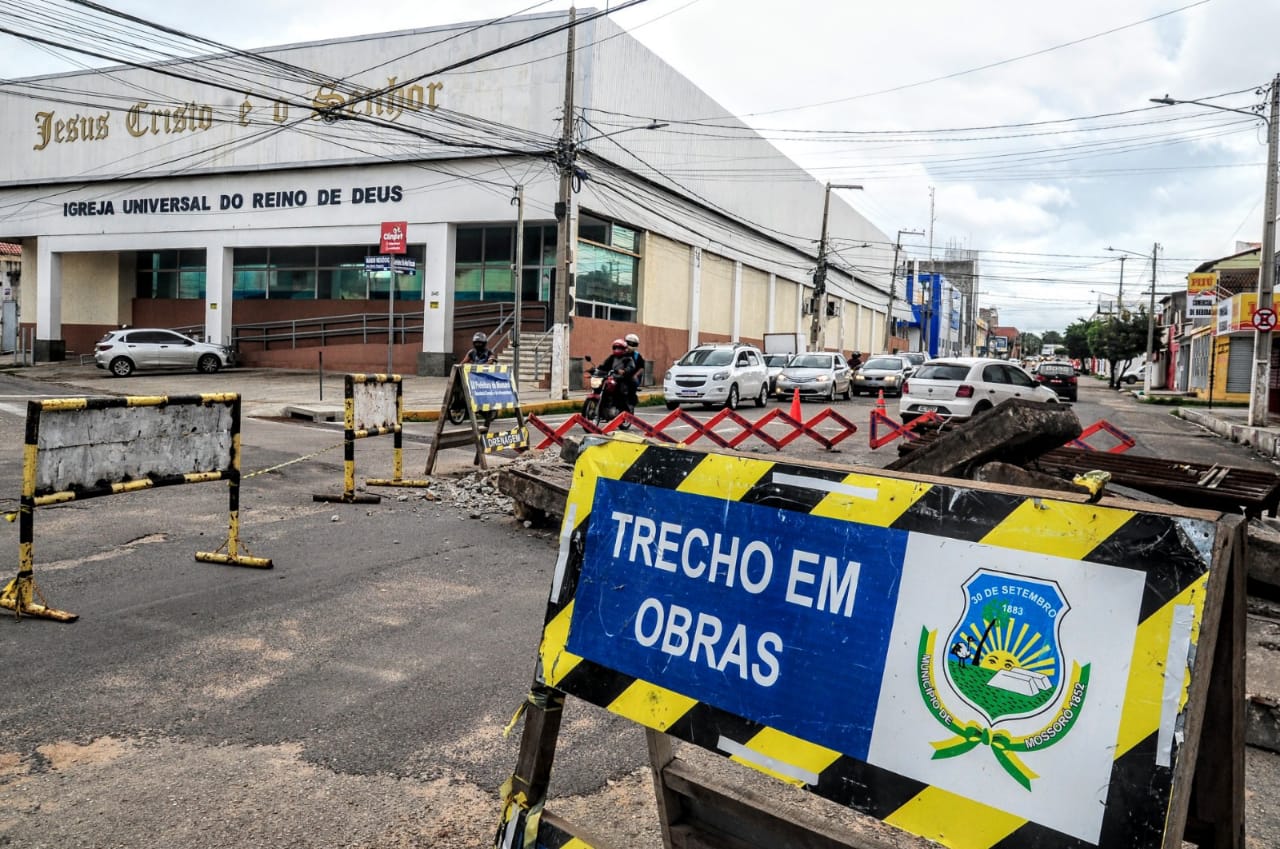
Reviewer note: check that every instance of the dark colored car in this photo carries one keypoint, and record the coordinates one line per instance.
(1060, 377)
(882, 374)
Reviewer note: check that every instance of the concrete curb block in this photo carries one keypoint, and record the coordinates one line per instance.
(1263, 440)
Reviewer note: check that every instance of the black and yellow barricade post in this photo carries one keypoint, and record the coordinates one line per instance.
(373, 405)
(79, 448)
(979, 665)
(476, 395)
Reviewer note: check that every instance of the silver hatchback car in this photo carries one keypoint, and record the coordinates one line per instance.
(815, 375)
(122, 352)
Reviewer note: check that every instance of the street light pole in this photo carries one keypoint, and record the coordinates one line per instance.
(818, 324)
(1151, 309)
(1258, 400)
(1261, 378)
(893, 282)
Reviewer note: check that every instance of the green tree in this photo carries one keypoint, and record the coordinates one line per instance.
(1076, 339)
(1051, 337)
(1118, 341)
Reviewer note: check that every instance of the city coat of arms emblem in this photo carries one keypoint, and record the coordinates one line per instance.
(1004, 662)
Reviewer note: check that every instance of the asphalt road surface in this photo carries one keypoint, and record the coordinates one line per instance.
(354, 695)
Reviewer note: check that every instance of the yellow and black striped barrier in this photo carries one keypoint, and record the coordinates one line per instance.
(982, 666)
(373, 405)
(81, 448)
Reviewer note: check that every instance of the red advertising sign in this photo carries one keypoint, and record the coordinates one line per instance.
(395, 237)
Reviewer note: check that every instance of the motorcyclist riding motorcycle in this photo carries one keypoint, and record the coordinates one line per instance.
(633, 387)
(621, 366)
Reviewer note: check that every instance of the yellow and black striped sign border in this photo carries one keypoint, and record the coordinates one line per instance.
(491, 408)
(375, 378)
(1177, 574)
(31, 450)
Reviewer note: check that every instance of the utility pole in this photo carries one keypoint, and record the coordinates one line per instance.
(1151, 324)
(517, 275)
(819, 322)
(893, 283)
(565, 277)
(1258, 400)
(1120, 291)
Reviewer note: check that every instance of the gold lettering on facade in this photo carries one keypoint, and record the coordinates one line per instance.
(389, 102)
(51, 128)
(142, 119)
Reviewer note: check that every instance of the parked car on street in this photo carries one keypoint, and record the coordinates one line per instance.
(1060, 377)
(1136, 373)
(817, 375)
(916, 358)
(961, 387)
(717, 374)
(122, 352)
(775, 363)
(883, 372)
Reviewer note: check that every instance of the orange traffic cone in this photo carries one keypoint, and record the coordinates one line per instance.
(795, 406)
(880, 403)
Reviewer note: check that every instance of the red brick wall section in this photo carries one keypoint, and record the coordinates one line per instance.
(369, 359)
(81, 338)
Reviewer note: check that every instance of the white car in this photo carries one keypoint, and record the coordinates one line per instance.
(122, 352)
(961, 387)
(717, 374)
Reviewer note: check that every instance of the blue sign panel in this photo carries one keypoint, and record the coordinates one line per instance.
(377, 263)
(776, 616)
(490, 388)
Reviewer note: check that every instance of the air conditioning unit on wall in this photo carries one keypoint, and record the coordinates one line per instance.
(833, 308)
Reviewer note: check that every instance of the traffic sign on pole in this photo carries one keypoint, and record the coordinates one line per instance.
(1264, 319)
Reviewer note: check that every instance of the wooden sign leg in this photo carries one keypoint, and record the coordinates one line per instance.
(526, 791)
(1215, 819)
(669, 806)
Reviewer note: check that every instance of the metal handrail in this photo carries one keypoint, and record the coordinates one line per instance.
(480, 315)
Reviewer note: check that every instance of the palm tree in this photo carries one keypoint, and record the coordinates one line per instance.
(992, 612)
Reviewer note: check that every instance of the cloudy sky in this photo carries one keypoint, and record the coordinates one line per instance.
(1030, 121)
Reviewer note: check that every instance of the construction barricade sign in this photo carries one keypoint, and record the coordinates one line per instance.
(373, 405)
(972, 665)
(82, 448)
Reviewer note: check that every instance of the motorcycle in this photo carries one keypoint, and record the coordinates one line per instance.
(457, 410)
(607, 398)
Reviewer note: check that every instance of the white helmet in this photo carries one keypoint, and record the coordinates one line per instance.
(633, 340)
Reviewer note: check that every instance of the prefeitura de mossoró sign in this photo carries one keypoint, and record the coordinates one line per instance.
(922, 652)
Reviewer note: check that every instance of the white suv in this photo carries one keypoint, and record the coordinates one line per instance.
(717, 374)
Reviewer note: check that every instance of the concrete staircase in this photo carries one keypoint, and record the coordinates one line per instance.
(535, 358)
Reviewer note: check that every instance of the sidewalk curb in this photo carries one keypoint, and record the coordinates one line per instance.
(1265, 441)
